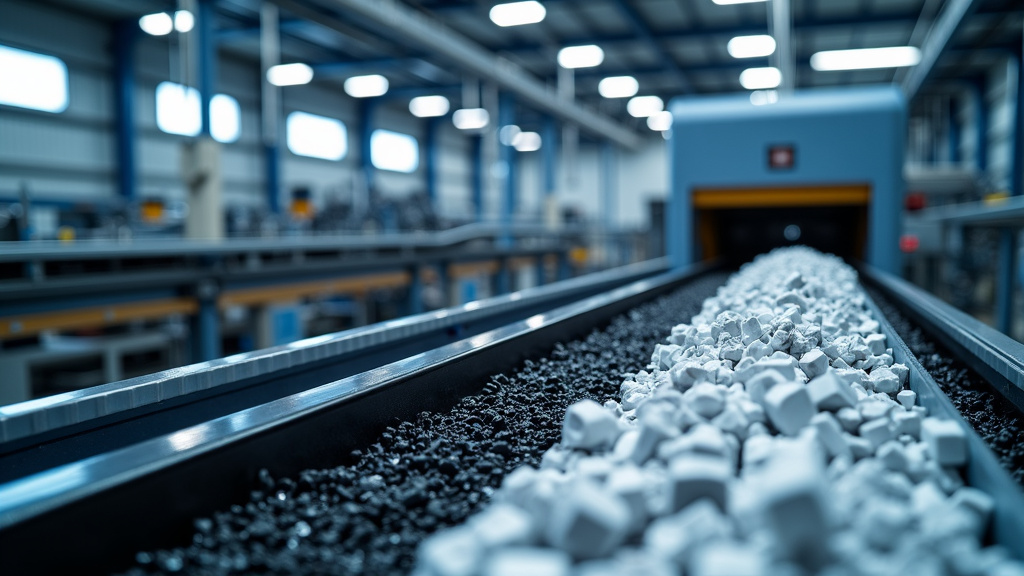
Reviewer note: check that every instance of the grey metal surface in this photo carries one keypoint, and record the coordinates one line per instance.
(42, 415)
(983, 469)
(994, 355)
(29, 497)
(432, 35)
(175, 247)
(952, 17)
(1008, 212)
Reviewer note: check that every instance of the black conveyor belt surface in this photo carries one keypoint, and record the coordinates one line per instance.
(421, 475)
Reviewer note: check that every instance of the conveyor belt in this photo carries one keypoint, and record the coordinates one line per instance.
(114, 497)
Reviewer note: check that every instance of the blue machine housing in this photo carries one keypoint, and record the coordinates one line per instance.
(846, 149)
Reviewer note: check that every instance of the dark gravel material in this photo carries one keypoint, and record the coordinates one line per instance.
(420, 476)
(993, 417)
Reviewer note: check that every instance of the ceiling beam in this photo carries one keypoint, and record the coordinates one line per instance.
(935, 43)
(643, 31)
(395, 19)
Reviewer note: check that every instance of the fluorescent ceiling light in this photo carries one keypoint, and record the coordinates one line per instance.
(618, 87)
(760, 78)
(586, 56)
(762, 97)
(471, 118)
(184, 21)
(33, 81)
(527, 142)
(727, 2)
(644, 106)
(429, 106)
(660, 121)
(507, 135)
(751, 46)
(518, 13)
(159, 24)
(894, 57)
(289, 74)
(368, 86)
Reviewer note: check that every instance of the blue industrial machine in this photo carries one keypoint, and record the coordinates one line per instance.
(821, 168)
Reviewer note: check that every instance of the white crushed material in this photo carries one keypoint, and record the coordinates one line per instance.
(773, 434)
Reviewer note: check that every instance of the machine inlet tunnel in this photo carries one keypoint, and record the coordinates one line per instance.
(738, 224)
(821, 168)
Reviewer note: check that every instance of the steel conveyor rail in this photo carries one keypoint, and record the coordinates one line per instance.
(49, 431)
(146, 494)
(989, 353)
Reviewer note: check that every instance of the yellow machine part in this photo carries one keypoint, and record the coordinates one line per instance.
(711, 205)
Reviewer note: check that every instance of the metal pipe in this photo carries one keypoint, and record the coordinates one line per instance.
(270, 55)
(416, 28)
(953, 15)
(125, 34)
(206, 53)
(781, 25)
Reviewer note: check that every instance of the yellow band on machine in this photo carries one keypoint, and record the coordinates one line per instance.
(25, 325)
(288, 292)
(852, 195)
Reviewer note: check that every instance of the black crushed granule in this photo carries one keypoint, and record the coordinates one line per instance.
(992, 416)
(420, 476)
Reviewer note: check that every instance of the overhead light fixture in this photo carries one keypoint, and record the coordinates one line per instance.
(289, 74)
(518, 13)
(618, 87)
(527, 142)
(471, 118)
(660, 121)
(429, 106)
(644, 106)
(507, 135)
(369, 86)
(760, 78)
(586, 56)
(866, 58)
(727, 2)
(762, 97)
(159, 24)
(184, 21)
(751, 46)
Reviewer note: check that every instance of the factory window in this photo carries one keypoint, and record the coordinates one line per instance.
(177, 109)
(34, 81)
(177, 112)
(394, 151)
(316, 136)
(225, 118)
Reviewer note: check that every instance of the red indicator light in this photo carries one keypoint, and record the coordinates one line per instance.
(909, 243)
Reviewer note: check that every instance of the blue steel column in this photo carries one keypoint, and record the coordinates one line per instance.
(125, 33)
(433, 133)
(954, 133)
(207, 47)
(1007, 260)
(270, 106)
(208, 318)
(477, 175)
(981, 119)
(608, 197)
(366, 109)
(506, 117)
(549, 155)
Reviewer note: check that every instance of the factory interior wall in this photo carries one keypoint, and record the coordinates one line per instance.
(640, 176)
(71, 155)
